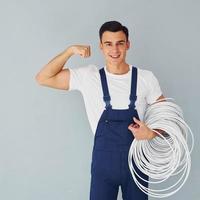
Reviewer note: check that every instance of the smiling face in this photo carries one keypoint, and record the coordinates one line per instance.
(114, 46)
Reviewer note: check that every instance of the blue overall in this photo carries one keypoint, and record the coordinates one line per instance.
(109, 168)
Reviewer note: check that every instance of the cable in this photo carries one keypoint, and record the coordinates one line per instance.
(166, 158)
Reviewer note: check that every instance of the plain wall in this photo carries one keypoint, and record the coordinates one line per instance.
(45, 138)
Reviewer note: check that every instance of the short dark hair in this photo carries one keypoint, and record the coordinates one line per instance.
(113, 26)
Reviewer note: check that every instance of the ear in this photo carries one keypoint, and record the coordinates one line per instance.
(128, 45)
(100, 45)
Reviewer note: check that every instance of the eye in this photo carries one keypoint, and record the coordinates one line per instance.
(121, 43)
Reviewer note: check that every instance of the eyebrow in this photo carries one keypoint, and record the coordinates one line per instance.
(108, 42)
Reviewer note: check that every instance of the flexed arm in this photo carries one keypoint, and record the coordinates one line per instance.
(53, 75)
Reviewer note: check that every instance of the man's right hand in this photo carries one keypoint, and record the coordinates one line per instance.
(82, 50)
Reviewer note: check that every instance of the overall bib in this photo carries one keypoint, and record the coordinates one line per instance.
(109, 168)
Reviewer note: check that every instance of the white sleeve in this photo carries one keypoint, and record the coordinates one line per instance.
(77, 78)
(154, 90)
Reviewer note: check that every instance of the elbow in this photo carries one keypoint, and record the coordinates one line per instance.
(39, 79)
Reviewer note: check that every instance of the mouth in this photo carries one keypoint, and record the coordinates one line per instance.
(114, 56)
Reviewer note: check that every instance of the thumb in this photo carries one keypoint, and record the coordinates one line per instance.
(136, 121)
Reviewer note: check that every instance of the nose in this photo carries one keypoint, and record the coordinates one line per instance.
(115, 48)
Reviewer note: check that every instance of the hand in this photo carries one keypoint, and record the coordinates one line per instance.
(141, 131)
(82, 50)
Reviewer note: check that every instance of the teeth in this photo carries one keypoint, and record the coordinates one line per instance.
(115, 56)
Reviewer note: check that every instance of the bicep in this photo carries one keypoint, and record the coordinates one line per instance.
(59, 81)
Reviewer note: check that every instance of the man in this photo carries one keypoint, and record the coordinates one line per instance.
(115, 97)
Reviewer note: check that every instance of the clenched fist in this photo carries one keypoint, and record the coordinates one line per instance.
(82, 50)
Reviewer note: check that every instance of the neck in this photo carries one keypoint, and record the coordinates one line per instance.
(122, 68)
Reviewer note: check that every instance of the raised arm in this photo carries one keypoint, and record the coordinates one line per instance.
(53, 75)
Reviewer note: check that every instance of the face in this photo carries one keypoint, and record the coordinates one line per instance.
(114, 46)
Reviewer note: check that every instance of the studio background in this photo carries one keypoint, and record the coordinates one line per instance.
(45, 137)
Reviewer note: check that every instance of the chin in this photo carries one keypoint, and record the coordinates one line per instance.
(116, 62)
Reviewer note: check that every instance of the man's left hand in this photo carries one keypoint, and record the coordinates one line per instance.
(141, 131)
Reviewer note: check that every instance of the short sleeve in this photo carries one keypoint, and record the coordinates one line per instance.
(77, 78)
(154, 90)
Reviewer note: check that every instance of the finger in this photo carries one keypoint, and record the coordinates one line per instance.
(133, 127)
(133, 131)
(136, 126)
(82, 53)
(87, 52)
(89, 49)
(137, 121)
(130, 127)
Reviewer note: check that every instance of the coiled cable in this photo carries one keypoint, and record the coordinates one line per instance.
(166, 158)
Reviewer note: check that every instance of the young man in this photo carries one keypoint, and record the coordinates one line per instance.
(115, 97)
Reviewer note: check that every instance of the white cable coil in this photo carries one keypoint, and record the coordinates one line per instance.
(164, 159)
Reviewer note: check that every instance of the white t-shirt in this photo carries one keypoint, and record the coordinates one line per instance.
(87, 81)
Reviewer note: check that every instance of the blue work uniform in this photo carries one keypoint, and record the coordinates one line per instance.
(109, 168)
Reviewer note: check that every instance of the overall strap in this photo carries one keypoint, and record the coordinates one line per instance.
(106, 95)
(133, 95)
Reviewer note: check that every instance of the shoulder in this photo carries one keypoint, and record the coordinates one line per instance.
(151, 84)
(83, 72)
(144, 73)
(91, 68)
(145, 76)
(80, 75)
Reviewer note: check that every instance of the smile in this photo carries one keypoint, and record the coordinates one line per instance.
(116, 56)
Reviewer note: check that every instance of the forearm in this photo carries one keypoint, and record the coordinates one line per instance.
(55, 65)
